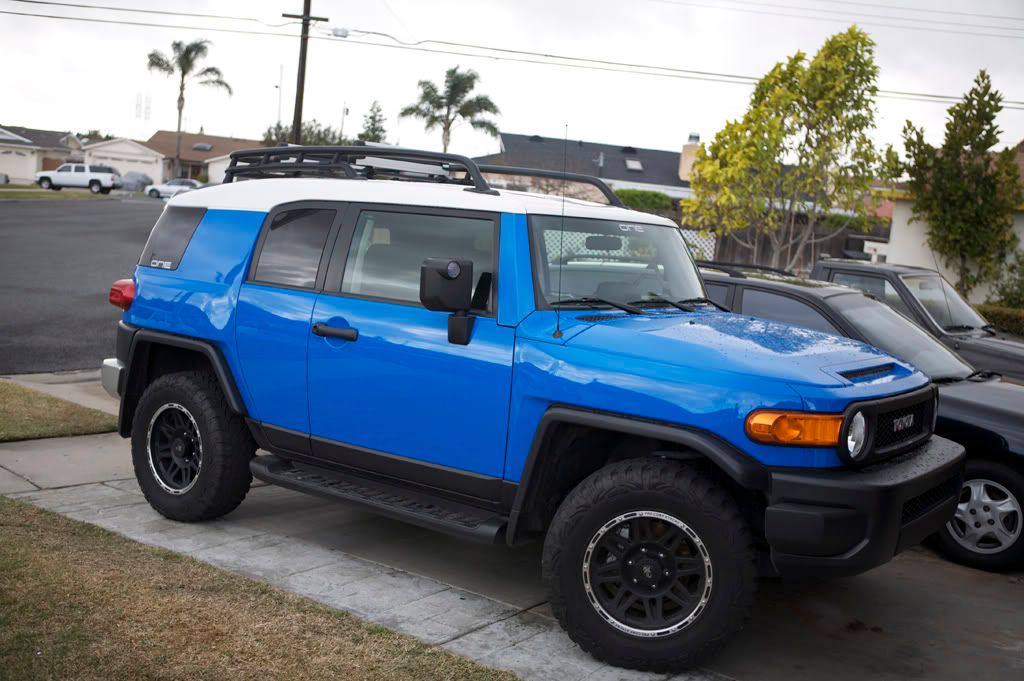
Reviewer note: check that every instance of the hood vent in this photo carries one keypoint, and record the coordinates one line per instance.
(869, 372)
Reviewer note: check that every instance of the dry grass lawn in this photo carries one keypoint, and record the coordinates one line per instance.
(78, 602)
(27, 414)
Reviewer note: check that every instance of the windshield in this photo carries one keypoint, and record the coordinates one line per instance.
(615, 261)
(890, 331)
(943, 303)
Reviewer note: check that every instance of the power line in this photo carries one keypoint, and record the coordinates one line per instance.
(924, 10)
(903, 27)
(151, 11)
(572, 62)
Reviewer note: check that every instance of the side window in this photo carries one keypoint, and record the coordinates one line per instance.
(784, 309)
(388, 248)
(79, 169)
(292, 247)
(64, 169)
(717, 292)
(876, 286)
(170, 236)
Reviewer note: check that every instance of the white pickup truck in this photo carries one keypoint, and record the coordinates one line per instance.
(97, 179)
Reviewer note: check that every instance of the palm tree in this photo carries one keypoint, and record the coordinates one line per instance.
(183, 63)
(444, 110)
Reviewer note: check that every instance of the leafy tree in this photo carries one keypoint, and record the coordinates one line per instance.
(313, 133)
(1009, 291)
(184, 63)
(963, 190)
(373, 125)
(800, 153)
(94, 136)
(444, 109)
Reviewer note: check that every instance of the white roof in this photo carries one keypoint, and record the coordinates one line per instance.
(264, 194)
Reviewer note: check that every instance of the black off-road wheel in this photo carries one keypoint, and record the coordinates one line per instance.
(190, 452)
(987, 531)
(649, 565)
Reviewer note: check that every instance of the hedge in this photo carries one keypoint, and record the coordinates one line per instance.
(645, 200)
(1009, 319)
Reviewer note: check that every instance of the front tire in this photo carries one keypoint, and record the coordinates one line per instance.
(190, 452)
(649, 565)
(45, 183)
(987, 531)
(154, 194)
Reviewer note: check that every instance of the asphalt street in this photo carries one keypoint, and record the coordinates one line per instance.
(57, 261)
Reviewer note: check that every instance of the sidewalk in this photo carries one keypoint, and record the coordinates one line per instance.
(916, 617)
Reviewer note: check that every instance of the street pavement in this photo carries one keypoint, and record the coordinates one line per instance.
(57, 261)
(917, 617)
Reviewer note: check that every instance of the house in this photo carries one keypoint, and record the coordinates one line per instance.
(197, 149)
(127, 156)
(622, 167)
(26, 151)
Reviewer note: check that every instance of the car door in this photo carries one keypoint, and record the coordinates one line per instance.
(62, 178)
(396, 397)
(79, 177)
(272, 317)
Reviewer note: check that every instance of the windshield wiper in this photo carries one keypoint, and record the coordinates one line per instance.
(983, 374)
(705, 301)
(585, 300)
(656, 297)
(959, 327)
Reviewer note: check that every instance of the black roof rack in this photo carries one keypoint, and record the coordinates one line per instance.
(332, 161)
(349, 162)
(602, 186)
(734, 269)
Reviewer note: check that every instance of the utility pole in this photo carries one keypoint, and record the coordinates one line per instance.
(300, 86)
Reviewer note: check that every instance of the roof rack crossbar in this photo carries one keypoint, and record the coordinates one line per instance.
(718, 264)
(601, 185)
(317, 160)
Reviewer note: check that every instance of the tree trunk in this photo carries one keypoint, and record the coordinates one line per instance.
(177, 134)
(446, 137)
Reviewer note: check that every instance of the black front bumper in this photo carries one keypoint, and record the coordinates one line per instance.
(843, 522)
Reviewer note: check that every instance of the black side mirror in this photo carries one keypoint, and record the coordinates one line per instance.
(446, 285)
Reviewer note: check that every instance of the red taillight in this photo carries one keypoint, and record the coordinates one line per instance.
(122, 293)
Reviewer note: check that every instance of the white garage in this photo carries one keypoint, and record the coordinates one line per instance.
(126, 156)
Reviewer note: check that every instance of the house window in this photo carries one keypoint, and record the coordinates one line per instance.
(634, 164)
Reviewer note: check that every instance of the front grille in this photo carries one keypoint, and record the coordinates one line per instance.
(902, 425)
(915, 507)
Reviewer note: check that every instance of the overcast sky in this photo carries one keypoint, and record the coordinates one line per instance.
(69, 75)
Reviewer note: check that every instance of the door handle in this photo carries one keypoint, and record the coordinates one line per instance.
(347, 333)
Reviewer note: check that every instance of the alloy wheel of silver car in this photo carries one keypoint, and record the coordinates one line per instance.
(988, 518)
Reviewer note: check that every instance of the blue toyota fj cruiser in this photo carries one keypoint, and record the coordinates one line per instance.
(504, 366)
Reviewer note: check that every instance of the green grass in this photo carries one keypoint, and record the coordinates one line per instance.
(27, 414)
(79, 603)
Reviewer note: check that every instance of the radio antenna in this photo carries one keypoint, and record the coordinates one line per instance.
(561, 234)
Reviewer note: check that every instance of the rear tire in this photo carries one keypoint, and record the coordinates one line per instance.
(95, 187)
(992, 537)
(650, 532)
(190, 451)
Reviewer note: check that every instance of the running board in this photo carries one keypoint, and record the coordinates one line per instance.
(412, 506)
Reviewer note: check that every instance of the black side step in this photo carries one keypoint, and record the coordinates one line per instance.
(412, 506)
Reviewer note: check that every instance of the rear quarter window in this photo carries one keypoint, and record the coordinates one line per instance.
(170, 237)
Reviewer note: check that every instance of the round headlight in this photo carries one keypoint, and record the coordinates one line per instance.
(856, 436)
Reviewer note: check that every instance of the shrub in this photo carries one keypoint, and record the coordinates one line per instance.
(1009, 319)
(645, 200)
(1009, 291)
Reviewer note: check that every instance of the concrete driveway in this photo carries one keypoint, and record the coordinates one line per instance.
(917, 617)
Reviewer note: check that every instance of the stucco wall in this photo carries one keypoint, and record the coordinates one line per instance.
(127, 157)
(215, 168)
(908, 245)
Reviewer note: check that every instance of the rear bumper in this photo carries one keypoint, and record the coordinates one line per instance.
(836, 523)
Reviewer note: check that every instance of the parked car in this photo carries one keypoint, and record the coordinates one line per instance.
(96, 178)
(430, 351)
(926, 298)
(976, 408)
(172, 187)
(135, 181)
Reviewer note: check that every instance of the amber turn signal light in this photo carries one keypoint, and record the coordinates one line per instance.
(794, 428)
